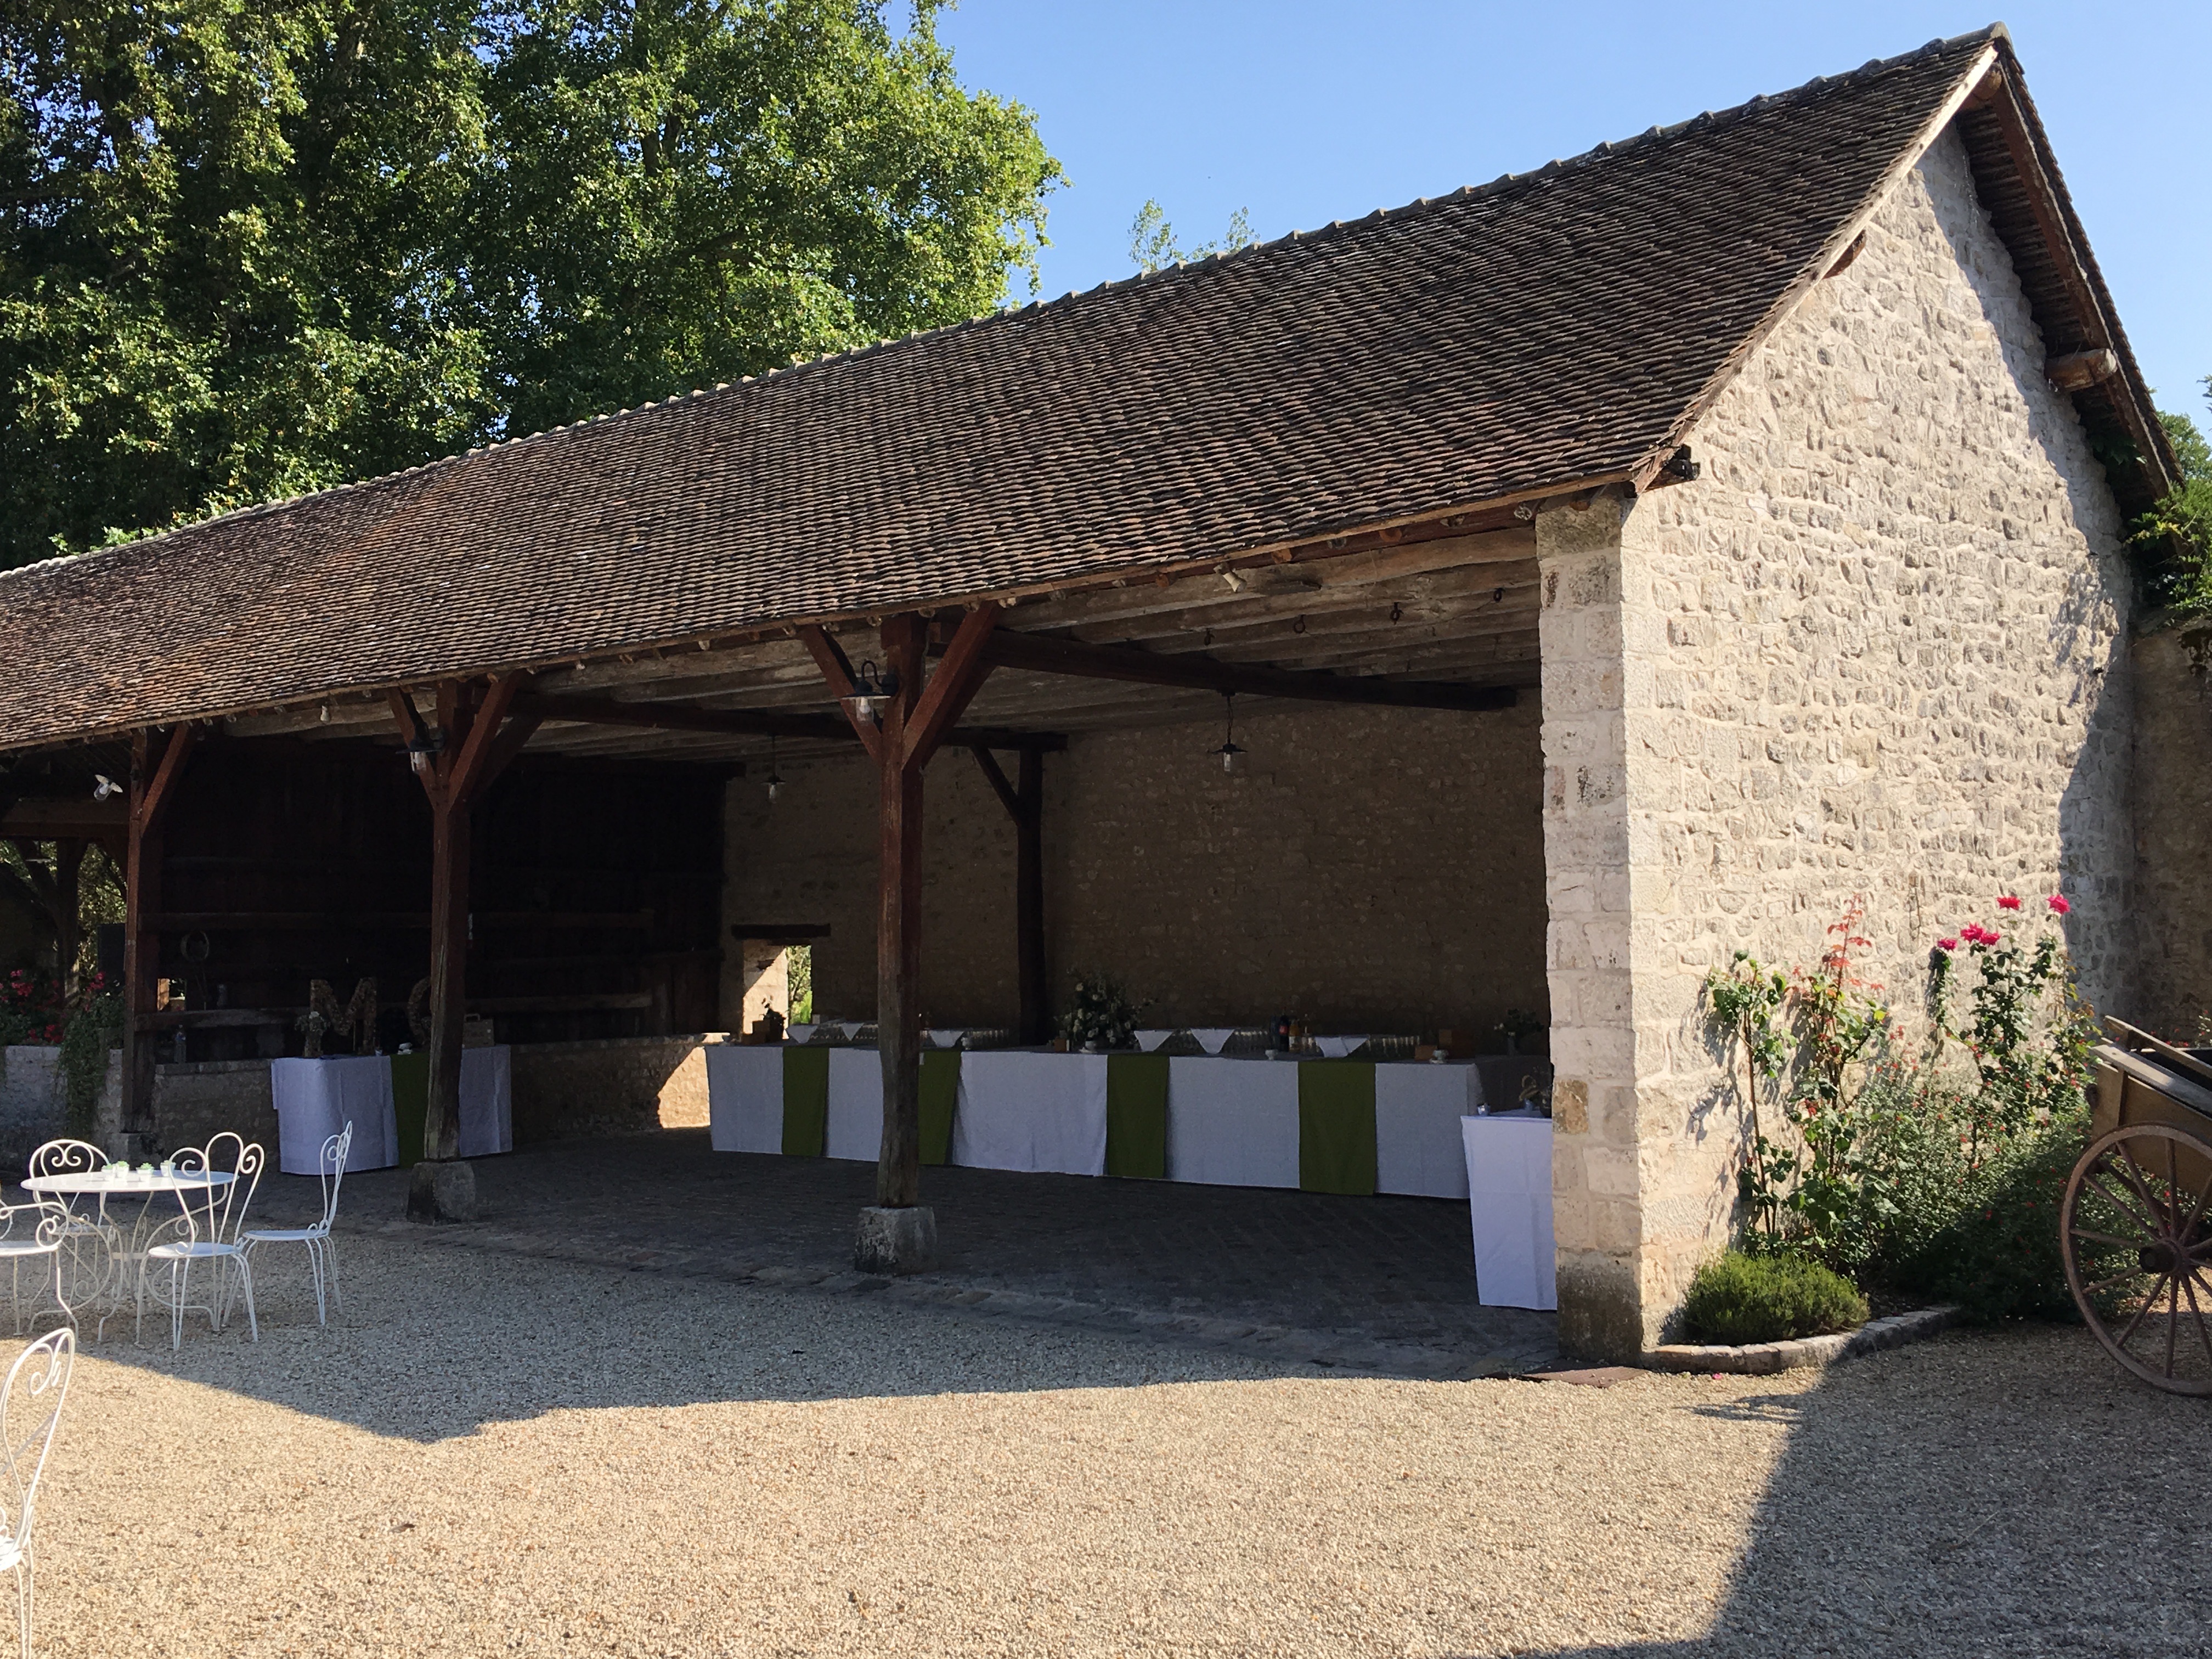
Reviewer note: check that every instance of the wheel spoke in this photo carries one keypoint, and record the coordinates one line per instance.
(2107, 1238)
(2149, 1302)
(2173, 1316)
(2129, 1276)
(2197, 1214)
(2160, 1213)
(2119, 1201)
(2197, 1318)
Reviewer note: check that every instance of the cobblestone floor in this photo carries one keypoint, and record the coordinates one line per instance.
(1380, 1284)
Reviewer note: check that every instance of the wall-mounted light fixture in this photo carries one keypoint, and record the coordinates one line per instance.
(870, 691)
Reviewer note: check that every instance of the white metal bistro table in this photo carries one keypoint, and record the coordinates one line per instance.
(119, 1253)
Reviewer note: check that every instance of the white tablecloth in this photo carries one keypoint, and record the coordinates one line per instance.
(1508, 1178)
(1031, 1111)
(856, 1104)
(1233, 1122)
(487, 1100)
(744, 1096)
(1418, 1145)
(317, 1098)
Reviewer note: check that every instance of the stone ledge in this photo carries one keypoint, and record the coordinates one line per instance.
(1757, 1358)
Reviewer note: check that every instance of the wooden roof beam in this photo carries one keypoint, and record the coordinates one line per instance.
(1051, 656)
(745, 722)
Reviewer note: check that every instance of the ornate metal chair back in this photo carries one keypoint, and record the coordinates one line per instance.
(330, 1166)
(65, 1158)
(30, 1412)
(216, 1213)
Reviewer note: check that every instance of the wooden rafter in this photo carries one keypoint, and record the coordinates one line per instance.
(1052, 656)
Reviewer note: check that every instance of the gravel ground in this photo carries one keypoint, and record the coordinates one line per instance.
(494, 1454)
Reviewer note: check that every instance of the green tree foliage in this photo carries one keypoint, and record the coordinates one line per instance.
(222, 270)
(252, 247)
(2183, 521)
(690, 192)
(1152, 245)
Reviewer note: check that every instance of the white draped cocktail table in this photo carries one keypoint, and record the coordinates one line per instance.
(1508, 1179)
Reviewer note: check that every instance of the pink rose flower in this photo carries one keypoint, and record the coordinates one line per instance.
(2008, 902)
(2058, 903)
(1947, 944)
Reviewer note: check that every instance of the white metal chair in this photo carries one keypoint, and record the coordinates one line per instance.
(88, 1240)
(322, 1256)
(208, 1231)
(38, 1381)
(60, 1157)
(28, 1231)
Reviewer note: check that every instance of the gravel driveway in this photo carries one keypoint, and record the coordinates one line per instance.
(495, 1455)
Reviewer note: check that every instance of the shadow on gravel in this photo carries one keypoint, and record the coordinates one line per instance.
(607, 1275)
(1981, 1494)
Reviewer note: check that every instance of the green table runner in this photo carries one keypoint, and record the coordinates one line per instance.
(941, 1093)
(806, 1100)
(1336, 1126)
(410, 1103)
(1137, 1116)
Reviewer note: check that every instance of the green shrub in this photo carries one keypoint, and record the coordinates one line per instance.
(1768, 1298)
(1996, 1257)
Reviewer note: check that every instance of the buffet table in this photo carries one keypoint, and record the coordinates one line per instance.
(1338, 1126)
(384, 1097)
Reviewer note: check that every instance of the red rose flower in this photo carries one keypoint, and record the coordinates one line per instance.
(2058, 903)
(2007, 902)
(1947, 944)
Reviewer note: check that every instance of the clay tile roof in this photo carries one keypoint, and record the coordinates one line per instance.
(1547, 328)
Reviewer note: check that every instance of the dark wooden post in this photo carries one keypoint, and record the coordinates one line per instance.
(450, 839)
(898, 929)
(1024, 804)
(153, 787)
(1028, 900)
(897, 1234)
(69, 867)
(454, 764)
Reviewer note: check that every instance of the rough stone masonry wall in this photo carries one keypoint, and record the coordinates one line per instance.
(1877, 650)
(1377, 869)
(2173, 829)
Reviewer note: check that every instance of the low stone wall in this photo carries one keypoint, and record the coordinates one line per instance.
(616, 1086)
(35, 1102)
(194, 1103)
(562, 1091)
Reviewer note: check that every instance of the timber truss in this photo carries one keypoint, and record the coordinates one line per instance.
(1440, 615)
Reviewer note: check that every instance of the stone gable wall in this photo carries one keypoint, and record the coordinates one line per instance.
(1377, 869)
(1878, 650)
(2173, 829)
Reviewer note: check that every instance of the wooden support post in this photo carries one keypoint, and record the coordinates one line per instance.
(1024, 805)
(901, 738)
(472, 747)
(1028, 900)
(898, 929)
(69, 867)
(450, 840)
(153, 788)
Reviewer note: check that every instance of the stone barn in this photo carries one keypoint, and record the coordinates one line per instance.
(1597, 571)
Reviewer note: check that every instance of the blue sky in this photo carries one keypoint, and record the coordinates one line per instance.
(1306, 113)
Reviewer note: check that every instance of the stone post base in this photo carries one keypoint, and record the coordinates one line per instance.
(442, 1191)
(896, 1241)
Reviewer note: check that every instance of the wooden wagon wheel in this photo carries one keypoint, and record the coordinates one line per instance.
(2136, 1230)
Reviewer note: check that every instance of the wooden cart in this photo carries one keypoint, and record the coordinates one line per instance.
(2137, 1222)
